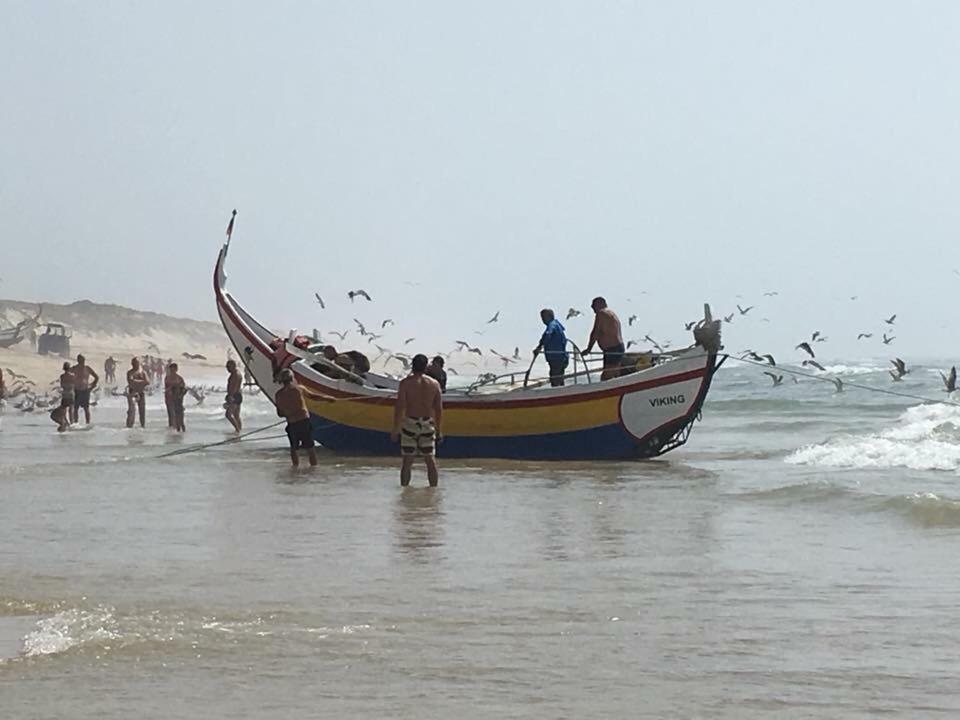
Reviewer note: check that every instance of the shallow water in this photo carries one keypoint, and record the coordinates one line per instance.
(797, 558)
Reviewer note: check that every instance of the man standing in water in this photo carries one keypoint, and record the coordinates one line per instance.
(110, 371)
(606, 333)
(174, 388)
(234, 395)
(61, 416)
(290, 405)
(137, 383)
(417, 420)
(82, 374)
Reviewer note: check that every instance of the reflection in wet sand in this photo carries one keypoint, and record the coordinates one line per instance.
(418, 520)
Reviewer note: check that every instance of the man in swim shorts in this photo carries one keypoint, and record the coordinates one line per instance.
(290, 405)
(607, 334)
(234, 395)
(417, 420)
(61, 416)
(137, 383)
(174, 388)
(82, 374)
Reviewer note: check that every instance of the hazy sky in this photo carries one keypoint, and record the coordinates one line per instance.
(495, 156)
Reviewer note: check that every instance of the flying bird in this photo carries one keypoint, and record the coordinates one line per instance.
(897, 378)
(888, 340)
(363, 329)
(813, 363)
(816, 334)
(889, 320)
(572, 313)
(516, 353)
(409, 340)
(861, 336)
(386, 322)
(373, 336)
(341, 335)
(728, 318)
(689, 326)
(777, 379)
(358, 293)
(193, 356)
(772, 293)
(631, 320)
(744, 311)
(950, 380)
(806, 348)
(901, 367)
(838, 383)
(476, 351)
(495, 318)
(320, 301)
(769, 359)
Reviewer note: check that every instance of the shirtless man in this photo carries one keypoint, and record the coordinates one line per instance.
(61, 416)
(137, 383)
(606, 333)
(417, 420)
(234, 395)
(290, 405)
(82, 373)
(174, 388)
(110, 371)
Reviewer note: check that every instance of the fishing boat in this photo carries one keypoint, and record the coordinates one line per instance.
(13, 336)
(647, 411)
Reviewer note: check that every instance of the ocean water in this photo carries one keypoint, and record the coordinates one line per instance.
(798, 558)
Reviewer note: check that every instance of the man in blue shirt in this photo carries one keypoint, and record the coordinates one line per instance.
(554, 347)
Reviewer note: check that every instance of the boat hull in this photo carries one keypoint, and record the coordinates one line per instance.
(640, 415)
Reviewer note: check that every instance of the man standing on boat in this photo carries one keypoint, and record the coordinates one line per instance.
(417, 420)
(607, 334)
(553, 343)
(436, 371)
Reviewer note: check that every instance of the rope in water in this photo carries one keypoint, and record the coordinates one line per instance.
(858, 386)
(228, 441)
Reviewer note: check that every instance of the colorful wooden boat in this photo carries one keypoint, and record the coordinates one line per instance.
(643, 414)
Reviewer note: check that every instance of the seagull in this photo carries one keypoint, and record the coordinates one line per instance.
(320, 301)
(777, 379)
(897, 378)
(341, 335)
(193, 356)
(401, 359)
(772, 293)
(813, 363)
(816, 334)
(653, 342)
(363, 330)
(373, 336)
(901, 367)
(950, 380)
(631, 320)
(383, 351)
(861, 336)
(495, 318)
(572, 313)
(728, 318)
(769, 359)
(806, 348)
(744, 311)
(631, 343)
(822, 338)
(358, 293)
(461, 345)
(386, 322)
(477, 351)
(838, 383)
(689, 326)
(889, 320)
(888, 340)
(409, 340)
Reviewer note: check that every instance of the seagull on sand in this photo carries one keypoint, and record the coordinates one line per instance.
(888, 340)
(573, 312)
(806, 348)
(813, 363)
(889, 320)
(777, 379)
(495, 318)
(358, 293)
(950, 380)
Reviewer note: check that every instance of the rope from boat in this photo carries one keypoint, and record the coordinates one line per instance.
(228, 441)
(858, 386)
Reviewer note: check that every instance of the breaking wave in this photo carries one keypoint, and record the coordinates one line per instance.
(926, 437)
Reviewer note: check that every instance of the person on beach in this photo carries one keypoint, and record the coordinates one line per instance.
(417, 420)
(110, 371)
(291, 406)
(82, 374)
(436, 371)
(174, 389)
(137, 383)
(61, 416)
(607, 334)
(234, 395)
(553, 343)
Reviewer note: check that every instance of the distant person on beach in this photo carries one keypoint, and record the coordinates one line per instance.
(137, 383)
(174, 390)
(83, 386)
(417, 420)
(110, 371)
(436, 371)
(290, 405)
(553, 343)
(3, 387)
(607, 334)
(234, 395)
(61, 416)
